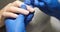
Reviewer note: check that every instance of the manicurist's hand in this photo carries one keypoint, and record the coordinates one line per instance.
(11, 9)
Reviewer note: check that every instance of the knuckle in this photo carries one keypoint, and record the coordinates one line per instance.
(10, 8)
(3, 14)
(16, 2)
(9, 4)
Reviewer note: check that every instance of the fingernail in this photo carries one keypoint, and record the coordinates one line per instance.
(27, 12)
(16, 16)
(32, 10)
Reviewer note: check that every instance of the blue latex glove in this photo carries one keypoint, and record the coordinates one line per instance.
(50, 7)
(15, 25)
(19, 24)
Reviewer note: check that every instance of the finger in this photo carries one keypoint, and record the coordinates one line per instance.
(29, 8)
(19, 3)
(6, 7)
(29, 18)
(20, 25)
(18, 10)
(9, 14)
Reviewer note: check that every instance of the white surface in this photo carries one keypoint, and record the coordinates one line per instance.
(55, 24)
(39, 23)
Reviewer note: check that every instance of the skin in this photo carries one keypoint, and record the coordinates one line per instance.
(11, 9)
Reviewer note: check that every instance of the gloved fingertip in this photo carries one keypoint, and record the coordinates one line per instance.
(29, 18)
(41, 4)
(28, 2)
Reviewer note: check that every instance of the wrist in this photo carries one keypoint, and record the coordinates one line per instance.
(1, 19)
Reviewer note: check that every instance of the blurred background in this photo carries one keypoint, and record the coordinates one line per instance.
(40, 23)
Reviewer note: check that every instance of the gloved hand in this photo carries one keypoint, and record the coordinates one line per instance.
(50, 7)
(19, 24)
